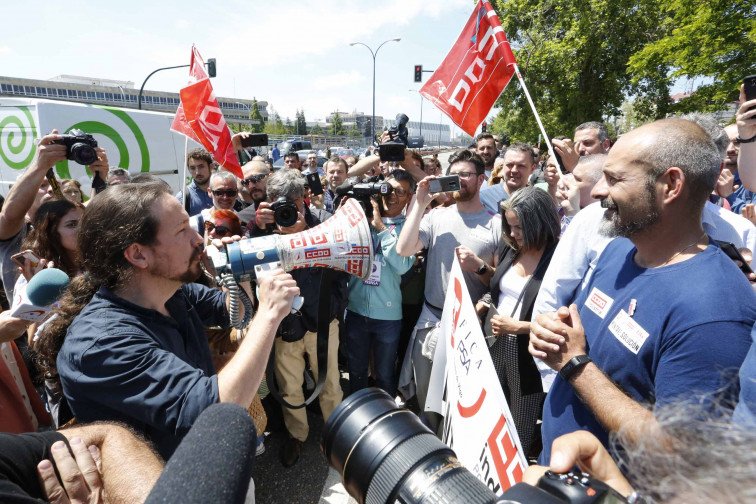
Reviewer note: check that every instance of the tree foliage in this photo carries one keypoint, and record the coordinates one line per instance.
(337, 127)
(714, 40)
(300, 125)
(274, 126)
(316, 130)
(582, 59)
(256, 115)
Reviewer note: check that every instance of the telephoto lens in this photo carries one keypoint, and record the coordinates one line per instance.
(385, 454)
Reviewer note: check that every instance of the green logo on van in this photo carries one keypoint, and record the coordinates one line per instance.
(16, 141)
(96, 127)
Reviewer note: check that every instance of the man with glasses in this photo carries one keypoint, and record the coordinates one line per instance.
(311, 165)
(467, 225)
(251, 190)
(223, 191)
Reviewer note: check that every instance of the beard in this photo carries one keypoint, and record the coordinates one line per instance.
(635, 218)
(193, 270)
(464, 194)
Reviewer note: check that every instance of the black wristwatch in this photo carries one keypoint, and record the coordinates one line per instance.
(745, 140)
(573, 365)
(482, 269)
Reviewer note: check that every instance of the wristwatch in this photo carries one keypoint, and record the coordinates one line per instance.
(573, 365)
(482, 269)
(745, 140)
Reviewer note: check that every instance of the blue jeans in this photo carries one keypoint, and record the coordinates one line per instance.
(364, 333)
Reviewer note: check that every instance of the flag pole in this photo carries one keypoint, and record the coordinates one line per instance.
(538, 119)
(183, 178)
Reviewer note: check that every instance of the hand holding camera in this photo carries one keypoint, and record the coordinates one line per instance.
(49, 151)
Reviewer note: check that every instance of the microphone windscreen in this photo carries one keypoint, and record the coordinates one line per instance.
(46, 287)
(214, 461)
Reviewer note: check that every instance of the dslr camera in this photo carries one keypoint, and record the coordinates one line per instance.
(80, 147)
(285, 213)
(393, 150)
(362, 191)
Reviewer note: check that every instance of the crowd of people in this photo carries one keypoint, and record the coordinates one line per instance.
(611, 280)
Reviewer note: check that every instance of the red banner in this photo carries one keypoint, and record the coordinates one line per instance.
(474, 73)
(200, 118)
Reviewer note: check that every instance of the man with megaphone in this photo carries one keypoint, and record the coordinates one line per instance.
(298, 332)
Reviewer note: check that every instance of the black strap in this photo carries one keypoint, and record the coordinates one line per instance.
(324, 323)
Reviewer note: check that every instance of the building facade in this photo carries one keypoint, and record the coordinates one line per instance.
(113, 93)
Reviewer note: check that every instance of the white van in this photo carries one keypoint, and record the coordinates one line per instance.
(136, 140)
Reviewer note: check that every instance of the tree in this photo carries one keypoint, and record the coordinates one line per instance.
(573, 55)
(715, 40)
(316, 130)
(336, 126)
(274, 125)
(300, 125)
(353, 132)
(255, 115)
(289, 128)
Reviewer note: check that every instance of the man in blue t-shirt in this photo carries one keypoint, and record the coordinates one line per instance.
(655, 323)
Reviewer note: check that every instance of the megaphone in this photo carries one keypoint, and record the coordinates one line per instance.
(343, 243)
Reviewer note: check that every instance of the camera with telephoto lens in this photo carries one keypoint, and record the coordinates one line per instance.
(393, 150)
(285, 213)
(386, 455)
(363, 191)
(80, 147)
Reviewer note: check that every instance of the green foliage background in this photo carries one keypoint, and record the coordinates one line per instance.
(582, 59)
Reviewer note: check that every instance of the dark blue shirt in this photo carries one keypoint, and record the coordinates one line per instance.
(740, 197)
(689, 322)
(199, 199)
(126, 363)
(745, 412)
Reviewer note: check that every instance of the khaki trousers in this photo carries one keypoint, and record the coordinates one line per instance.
(290, 365)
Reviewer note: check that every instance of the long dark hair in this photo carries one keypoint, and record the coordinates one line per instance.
(44, 239)
(538, 217)
(114, 220)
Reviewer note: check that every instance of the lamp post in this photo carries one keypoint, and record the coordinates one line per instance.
(374, 54)
(139, 98)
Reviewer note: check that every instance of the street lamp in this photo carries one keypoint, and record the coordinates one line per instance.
(374, 54)
(139, 97)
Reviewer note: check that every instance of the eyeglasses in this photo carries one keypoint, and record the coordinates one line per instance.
(219, 230)
(464, 175)
(229, 193)
(400, 193)
(254, 179)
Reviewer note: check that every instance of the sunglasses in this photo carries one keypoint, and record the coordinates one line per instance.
(230, 193)
(219, 230)
(254, 179)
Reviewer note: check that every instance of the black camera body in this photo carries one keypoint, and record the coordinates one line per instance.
(363, 191)
(394, 149)
(285, 213)
(80, 147)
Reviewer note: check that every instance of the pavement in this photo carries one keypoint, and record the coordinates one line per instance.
(310, 480)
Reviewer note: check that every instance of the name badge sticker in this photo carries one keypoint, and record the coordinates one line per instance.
(599, 303)
(375, 275)
(628, 331)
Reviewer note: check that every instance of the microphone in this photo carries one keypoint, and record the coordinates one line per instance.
(35, 300)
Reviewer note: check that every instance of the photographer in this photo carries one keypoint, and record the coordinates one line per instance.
(413, 163)
(298, 332)
(374, 312)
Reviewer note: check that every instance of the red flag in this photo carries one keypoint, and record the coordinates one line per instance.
(200, 118)
(474, 73)
(196, 73)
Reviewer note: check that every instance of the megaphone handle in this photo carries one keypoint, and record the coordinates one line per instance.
(296, 304)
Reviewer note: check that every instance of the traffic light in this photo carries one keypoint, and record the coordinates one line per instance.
(211, 67)
(418, 73)
(483, 127)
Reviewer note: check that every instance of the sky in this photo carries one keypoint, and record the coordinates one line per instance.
(293, 54)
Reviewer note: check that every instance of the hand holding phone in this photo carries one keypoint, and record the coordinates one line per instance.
(444, 184)
(20, 258)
